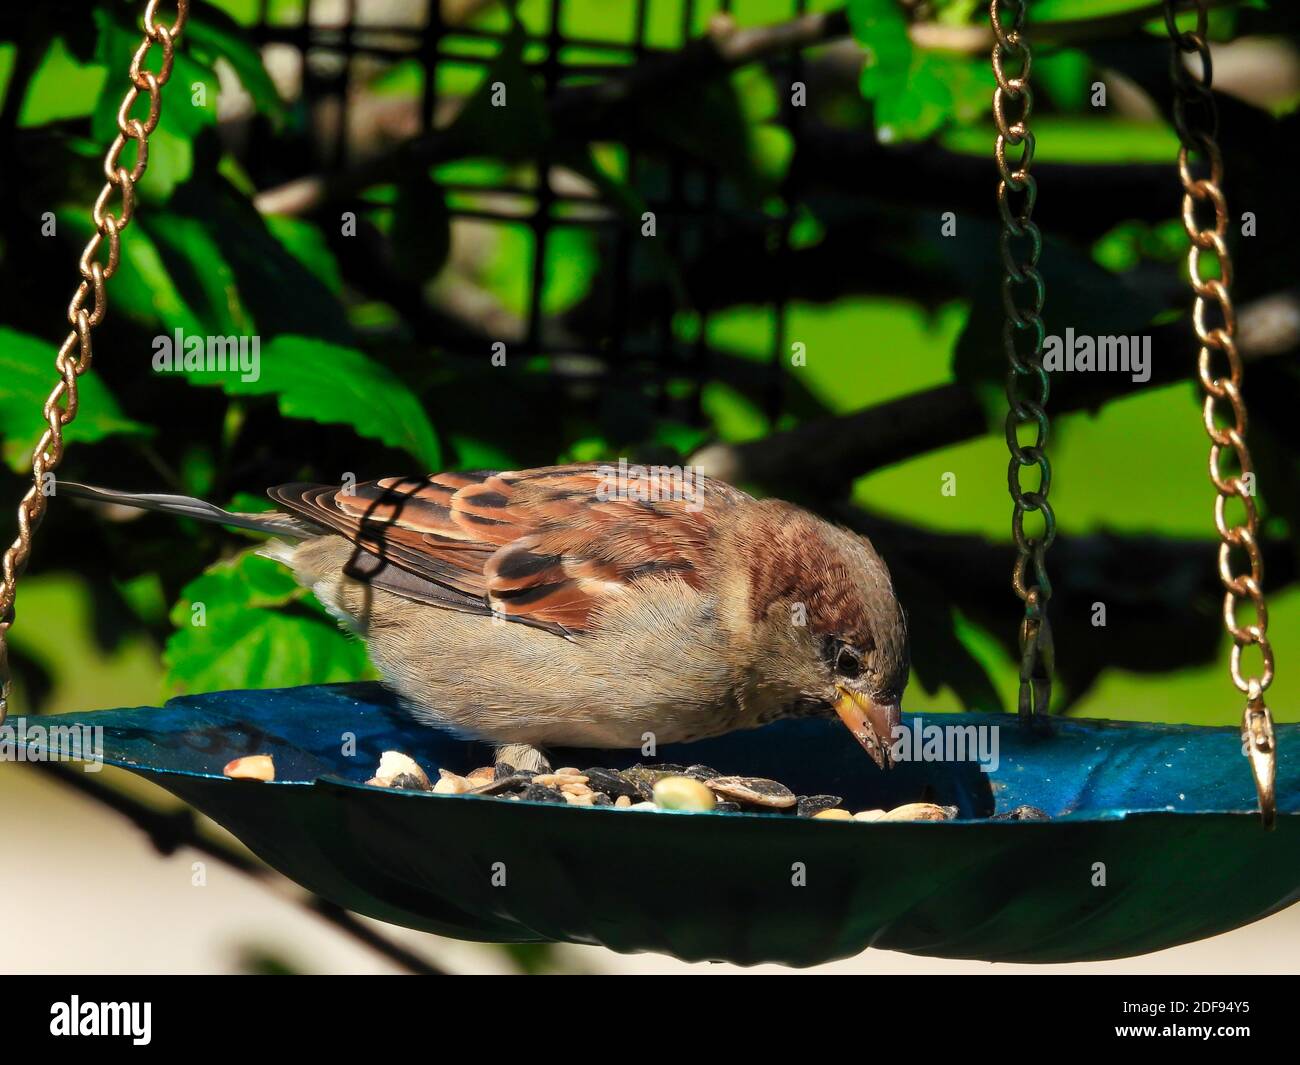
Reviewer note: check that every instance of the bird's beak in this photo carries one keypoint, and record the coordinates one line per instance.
(871, 723)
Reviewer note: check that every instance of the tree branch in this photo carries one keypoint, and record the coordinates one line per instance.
(825, 455)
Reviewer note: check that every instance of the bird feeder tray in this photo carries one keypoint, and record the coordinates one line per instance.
(1154, 838)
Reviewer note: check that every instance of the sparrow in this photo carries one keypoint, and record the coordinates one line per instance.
(588, 605)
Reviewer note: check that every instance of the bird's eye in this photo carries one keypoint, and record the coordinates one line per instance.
(847, 663)
(843, 659)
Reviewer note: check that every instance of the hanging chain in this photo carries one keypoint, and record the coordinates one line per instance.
(1196, 119)
(1028, 385)
(74, 357)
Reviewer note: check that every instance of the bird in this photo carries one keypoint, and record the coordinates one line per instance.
(591, 605)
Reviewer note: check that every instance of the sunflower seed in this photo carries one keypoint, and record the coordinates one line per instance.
(811, 805)
(541, 793)
(919, 811)
(700, 772)
(644, 778)
(502, 785)
(612, 783)
(1023, 813)
(754, 791)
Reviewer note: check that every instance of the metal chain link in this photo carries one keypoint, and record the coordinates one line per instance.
(1028, 384)
(74, 357)
(1196, 119)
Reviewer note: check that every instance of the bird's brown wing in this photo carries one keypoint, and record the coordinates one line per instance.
(547, 547)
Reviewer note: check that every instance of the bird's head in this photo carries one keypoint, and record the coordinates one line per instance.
(823, 604)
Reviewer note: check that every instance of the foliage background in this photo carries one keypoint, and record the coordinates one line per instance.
(776, 225)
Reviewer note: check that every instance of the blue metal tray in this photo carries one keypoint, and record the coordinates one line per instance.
(1165, 813)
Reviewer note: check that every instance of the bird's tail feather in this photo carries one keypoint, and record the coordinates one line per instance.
(272, 522)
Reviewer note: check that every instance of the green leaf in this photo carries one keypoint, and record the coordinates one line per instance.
(212, 35)
(331, 384)
(1080, 139)
(1125, 246)
(421, 229)
(250, 12)
(915, 92)
(402, 79)
(143, 288)
(28, 375)
(1066, 77)
(1072, 10)
(229, 587)
(516, 131)
(572, 263)
(306, 243)
(170, 147)
(938, 89)
(248, 503)
(472, 453)
(209, 264)
(586, 449)
(62, 87)
(192, 257)
(275, 289)
(259, 630)
(878, 25)
(681, 438)
(734, 417)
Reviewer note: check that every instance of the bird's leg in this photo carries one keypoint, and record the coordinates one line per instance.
(523, 756)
